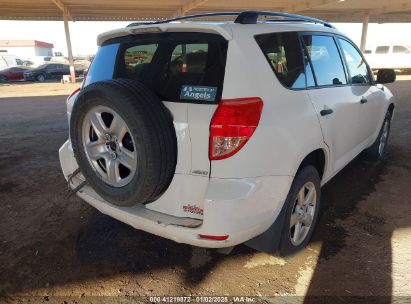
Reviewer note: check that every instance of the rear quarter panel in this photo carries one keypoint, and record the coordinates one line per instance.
(289, 128)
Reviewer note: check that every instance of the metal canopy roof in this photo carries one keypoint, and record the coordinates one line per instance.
(78, 10)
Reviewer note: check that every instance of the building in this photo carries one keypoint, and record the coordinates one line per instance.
(26, 49)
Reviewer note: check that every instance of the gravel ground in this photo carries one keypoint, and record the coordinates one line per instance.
(55, 245)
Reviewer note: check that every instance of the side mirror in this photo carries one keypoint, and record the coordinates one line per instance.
(386, 76)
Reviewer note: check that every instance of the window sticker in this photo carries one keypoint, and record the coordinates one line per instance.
(189, 92)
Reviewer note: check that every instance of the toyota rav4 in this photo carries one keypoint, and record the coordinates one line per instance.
(219, 133)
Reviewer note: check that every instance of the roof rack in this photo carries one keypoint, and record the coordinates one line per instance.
(245, 17)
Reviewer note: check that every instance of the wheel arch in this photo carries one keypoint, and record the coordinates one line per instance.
(391, 108)
(41, 74)
(318, 159)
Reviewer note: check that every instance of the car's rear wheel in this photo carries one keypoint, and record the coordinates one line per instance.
(377, 149)
(3, 79)
(124, 141)
(302, 207)
(41, 78)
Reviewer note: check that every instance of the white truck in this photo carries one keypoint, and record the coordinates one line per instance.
(396, 57)
(9, 61)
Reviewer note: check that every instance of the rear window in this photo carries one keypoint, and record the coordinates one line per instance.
(283, 52)
(102, 67)
(182, 67)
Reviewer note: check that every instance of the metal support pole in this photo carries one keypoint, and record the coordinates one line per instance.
(69, 50)
(364, 32)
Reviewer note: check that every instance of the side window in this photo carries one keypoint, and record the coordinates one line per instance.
(326, 60)
(137, 57)
(283, 52)
(382, 49)
(399, 49)
(356, 64)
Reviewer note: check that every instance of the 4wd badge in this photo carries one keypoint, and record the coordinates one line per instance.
(190, 92)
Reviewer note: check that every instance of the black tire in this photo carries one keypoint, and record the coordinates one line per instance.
(152, 131)
(3, 79)
(41, 78)
(306, 175)
(374, 152)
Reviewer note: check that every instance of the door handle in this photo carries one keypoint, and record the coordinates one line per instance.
(326, 112)
(363, 100)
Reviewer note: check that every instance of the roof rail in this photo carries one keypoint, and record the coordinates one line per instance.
(251, 17)
(187, 17)
(245, 17)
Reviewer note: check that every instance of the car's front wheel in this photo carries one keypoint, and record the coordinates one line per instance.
(303, 204)
(377, 150)
(41, 78)
(3, 79)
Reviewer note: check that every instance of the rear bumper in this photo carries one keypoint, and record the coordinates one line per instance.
(239, 208)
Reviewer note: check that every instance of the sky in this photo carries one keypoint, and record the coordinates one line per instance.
(84, 33)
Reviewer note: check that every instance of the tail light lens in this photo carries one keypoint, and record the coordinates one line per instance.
(232, 125)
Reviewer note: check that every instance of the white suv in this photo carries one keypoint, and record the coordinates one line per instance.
(215, 134)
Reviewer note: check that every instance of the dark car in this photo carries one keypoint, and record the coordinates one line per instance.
(12, 74)
(50, 71)
(27, 63)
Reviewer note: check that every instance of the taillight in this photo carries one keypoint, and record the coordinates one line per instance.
(232, 125)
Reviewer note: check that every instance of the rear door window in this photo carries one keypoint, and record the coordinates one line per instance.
(326, 61)
(183, 67)
(283, 52)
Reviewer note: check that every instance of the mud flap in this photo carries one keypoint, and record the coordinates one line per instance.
(269, 240)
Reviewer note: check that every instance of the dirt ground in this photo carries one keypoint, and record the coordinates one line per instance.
(29, 89)
(55, 247)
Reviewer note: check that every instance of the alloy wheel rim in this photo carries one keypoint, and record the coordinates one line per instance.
(302, 214)
(109, 146)
(383, 139)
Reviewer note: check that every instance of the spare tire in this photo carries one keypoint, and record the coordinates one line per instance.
(124, 141)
